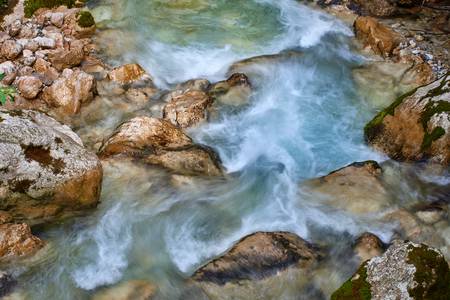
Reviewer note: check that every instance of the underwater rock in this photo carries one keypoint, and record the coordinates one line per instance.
(128, 74)
(45, 170)
(159, 142)
(405, 271)
(235, 90)
(368, 245)
(381, 39)
(357, 188)
(261, 258)
(129, 290)
(416, 126)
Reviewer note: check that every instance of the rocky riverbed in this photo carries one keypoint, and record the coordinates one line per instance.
(203, 150)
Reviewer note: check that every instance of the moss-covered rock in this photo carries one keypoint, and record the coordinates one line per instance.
(85, 19)
(30, 6)
(406, 271)
(416, 126)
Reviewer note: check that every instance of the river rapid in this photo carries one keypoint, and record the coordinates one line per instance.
(305, 118)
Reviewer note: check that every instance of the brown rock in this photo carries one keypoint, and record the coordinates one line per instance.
(257, 256)
(416, 126)
(130, 290)
(46, 170)
(357, 188)
(127, 74)
(187, 109)
(29, 86)
(5, 217)
(381, 39)
(367, 246)
(47, 73)
(16, 240)
(70, 91)
(11, 49)
(62, 58)
(233, 91)
(378, 8)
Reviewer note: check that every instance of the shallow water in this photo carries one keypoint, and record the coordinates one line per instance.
(304, 120)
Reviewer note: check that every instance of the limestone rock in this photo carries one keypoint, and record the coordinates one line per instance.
(187, 109)
(62, 58)
(159, 142)
(29, 86)
(357, 188)
(130, 290)
(16, 240)
(45, 170)
(11, 49)
(70, 91)
(233, 91)
(416, 126)
(127, 74)
(367, 246)
(405, 271)
(381, 39)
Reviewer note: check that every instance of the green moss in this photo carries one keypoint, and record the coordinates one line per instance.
(30, 6)
(85, 19)
(354, 289)
(432, 274)
(3, 3)
(371, 129)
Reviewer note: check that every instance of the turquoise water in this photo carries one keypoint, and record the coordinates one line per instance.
(304, 119)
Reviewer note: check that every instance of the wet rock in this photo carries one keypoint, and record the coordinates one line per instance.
(367, 246)
(7, 284)
(17, 241)
(45, 170)
(380, 38)
(431, 214)
(245, 64)
(357, 188)
(11, 49)
(405, 271)
(377, 8)
(259, 258)
(69, 92)
(188, 109)
(29, 86)
(416, 126)
(233, 91)
(5, 217)
(128, 74)
(159, 142)
(130, 290)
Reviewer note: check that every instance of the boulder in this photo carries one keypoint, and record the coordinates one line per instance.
(357, 188)
(405, 271)
(45, 170)
(67, 58)
(11, 49)
(127, 74)
(377, 8)
(29, 86)
(17, 241)
(187, 109)
(416, 126)
(368, 245)
(380, 38)
(129, 290)
(69, 92)
(157, 141)
(262, 258)
(233, 91)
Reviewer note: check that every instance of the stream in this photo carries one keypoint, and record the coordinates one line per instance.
(304, 119)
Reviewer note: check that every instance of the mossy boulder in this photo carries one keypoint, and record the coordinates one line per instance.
(406, 271)
(85, 19)
(30, 6)
(416, 126)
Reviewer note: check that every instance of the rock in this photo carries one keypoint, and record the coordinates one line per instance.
(381, 39)
(47, 73)
(57, 19)
(70, 91)
(11, 49)
(16, 241)
(7, 283)
(130, 290)
(128, 74)
(258, 259)
(367, 246)
(7, 68)
(157, 141)
(45, 42)
(247, 64)
(416, 126)
(45, 170)
(405, 271)
(357, 188)
(62, 58)
(5, 217)
(431, 214)
(29, 86)
(233, 91)
(187, 109)
(28, 57)
(377, 8)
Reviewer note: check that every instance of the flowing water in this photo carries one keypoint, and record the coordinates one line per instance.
(304, 120)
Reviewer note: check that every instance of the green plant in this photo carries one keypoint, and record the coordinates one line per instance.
(30, 6)
(3, 3)
(6, 92)
(85, 19)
